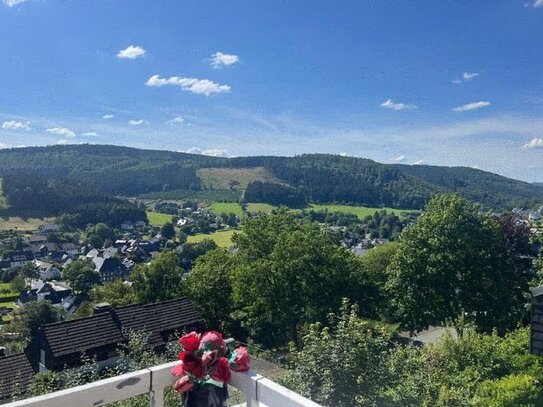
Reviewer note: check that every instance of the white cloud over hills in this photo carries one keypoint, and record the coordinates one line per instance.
(15, 125)
(61, 131)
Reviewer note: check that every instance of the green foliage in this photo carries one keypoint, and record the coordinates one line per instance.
(283, 274)
(509, 391)
(167, 230)
(208, 287)
(273, 193)
(343, 365)
(454, 262)
(117, 293)
(27, 320)
(98, 234)
(160, 280)
(81, 275)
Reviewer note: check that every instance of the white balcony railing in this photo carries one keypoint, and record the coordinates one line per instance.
(258, 391)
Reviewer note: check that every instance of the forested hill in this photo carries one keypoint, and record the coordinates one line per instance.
(320, 178)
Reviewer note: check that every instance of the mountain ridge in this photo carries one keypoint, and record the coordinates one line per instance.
(320, 178)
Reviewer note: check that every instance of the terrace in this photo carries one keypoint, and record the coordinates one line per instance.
(257, 390)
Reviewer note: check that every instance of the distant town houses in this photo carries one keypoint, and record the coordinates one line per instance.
(46, 270)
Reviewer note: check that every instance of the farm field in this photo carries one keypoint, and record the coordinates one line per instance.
(226, 207)
(223, 238)
(158, 219)
(15, 222)
(360, 211)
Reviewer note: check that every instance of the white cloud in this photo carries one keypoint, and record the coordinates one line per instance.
(389, 104)
(419, 162)
(214, 152)
(535, 142)
(537, 4)
(137, 122)
(178, 119)
(14, 125)
(200, 86)
(108, 116)
(471, 106)
(131, 52)
(11, 3)
(399, 159)
(61, 131)
(90, 134)
(219, 59)
(467, 76)
(62, 141)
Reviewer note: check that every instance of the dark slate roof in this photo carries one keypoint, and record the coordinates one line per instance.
(158, 318)
(15, 375)
(80, 335)
(108, 328)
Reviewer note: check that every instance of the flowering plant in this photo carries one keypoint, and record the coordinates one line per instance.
(207, 360)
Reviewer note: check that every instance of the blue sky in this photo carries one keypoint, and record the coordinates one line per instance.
(434, 82)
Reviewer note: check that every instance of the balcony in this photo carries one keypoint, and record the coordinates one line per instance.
(258, 391)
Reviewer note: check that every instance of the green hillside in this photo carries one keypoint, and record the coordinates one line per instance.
(295, 181)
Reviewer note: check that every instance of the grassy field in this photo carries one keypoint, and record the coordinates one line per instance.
(5, 287)
(15, 222)
(260, 207)
(158, 219)
(226, 207)
(233, 178)
(360, 211)
(223, 238)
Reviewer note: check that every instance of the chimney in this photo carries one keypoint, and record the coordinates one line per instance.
(101, 308)
(2, 351)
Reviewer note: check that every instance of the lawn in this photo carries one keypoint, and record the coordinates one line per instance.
(360, 211)
(6, 287)
(226, 207)
(158, 219)
(223, 238)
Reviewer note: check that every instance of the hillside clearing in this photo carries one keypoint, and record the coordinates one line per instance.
(3, 203)
(260, 207)
(233, 178)
(223, 238)
(16, 222)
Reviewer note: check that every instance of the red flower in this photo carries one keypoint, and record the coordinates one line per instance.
(190, 342)
(179, 370)
(192, 364)
(221, 371)
(183, 385)
(242, 362)
(212, 340)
